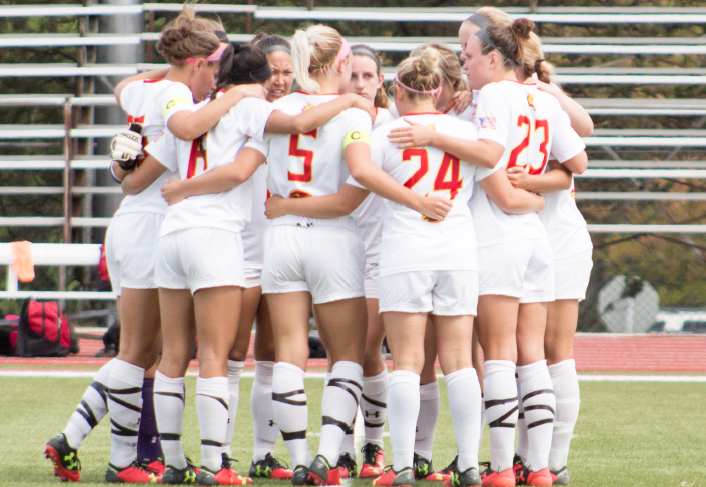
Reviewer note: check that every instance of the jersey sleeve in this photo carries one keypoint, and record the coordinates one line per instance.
(163, 148)
(127, 92)
(377, 153)
(566, 143)
(252, 115)
(358, 121)
(493, 115)
(262, 146)
(176, 99)
(484, 172)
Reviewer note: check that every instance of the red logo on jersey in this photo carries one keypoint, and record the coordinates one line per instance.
(198, 161)
(131, 119)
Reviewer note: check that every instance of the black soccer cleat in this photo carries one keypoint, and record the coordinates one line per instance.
(174, 476)
(300, 476)
(270, 468)
(347, 466)
(67, 466)
(467, 478)
(560, 477)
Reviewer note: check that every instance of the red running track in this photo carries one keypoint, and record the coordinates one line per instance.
(599, 352)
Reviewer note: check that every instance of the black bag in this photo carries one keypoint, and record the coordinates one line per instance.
(44, 330)
(8, 334)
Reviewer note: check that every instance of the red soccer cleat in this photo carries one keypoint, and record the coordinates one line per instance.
(490, 478)
(543, 478)
(65, 459)
(403, 478)
(136, 473)
(373, 461)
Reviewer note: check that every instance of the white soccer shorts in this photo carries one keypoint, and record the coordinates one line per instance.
(572, 275)
(521, 269)
(326, 261)
(253, 274)
(131, 249)
(443, 293)
(372, 281)
(200, 258)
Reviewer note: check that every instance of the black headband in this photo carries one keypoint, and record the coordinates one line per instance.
(221, 34)
(277, 47)
(483, 36)
(246, 77)
(480, 20)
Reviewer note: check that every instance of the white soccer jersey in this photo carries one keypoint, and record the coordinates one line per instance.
(152, 103)
(469, 114)
(229, 210)
(411, 242)
(253, 232)
(311, 164)
(529, 124)
(369, 214)
(565, 224)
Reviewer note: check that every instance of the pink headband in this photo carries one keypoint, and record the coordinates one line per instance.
(430, 92)
(216, 56)
(345, 50)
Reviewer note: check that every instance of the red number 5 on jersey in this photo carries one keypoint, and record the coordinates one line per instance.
(307, 155)
(515, 154)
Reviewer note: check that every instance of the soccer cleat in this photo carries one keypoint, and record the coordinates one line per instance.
(423, 468)
(225, 476)
(521, 472)
(543, 478)
(300, 476)
(403, 478)
(373, 461)
(465, 479)
(321, 473)
(157, 465)
(446, 473)
(67, 466)
(136, 473)
(347, 466)
(560, 477)
(491, 478)
(174, 476)
(271, 468)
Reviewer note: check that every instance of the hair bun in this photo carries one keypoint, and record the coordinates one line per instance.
(522, 27)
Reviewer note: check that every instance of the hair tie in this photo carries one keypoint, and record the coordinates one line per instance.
(410, 89)
(480, 20)
(277, 47)
(345, 50)
(538, 62)
(483, 36)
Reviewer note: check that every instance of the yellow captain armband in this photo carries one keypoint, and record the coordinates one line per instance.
(174, 102)
(356, 136)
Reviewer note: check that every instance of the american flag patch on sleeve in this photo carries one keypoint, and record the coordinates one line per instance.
(487, 123)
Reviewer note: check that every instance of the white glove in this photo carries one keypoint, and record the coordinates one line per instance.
(126, 148)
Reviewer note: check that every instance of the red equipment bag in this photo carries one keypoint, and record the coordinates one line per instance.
(44, 330)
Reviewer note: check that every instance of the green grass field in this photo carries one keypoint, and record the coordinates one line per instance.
(641, 434)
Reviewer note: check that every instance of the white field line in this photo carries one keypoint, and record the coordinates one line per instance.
(77, 374)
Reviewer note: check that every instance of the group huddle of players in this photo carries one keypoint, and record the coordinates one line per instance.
(442, 220)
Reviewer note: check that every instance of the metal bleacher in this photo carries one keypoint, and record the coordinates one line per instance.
(606, 139)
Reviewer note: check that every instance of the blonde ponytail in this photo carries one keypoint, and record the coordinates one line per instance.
(313, 50)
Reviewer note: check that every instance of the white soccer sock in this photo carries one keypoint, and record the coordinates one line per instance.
(125, 407)
(373, 404)
(212, 398)
(234, 371)
(348, 443)
(482, 418)
(169, 410)
(464, 402)
(264, 425)
(501, 411)
(92, 408)
(538, 403)
(522, 442)
(339, 406)
(291, 411)
(403, 401)
(568, 401)
(429, 404)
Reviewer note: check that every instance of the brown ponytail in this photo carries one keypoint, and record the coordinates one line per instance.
(509, 40)
(189, 36)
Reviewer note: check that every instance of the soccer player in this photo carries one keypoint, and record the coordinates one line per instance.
(192, 48)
